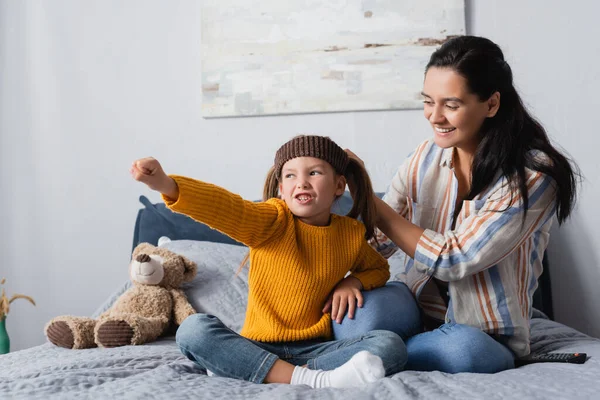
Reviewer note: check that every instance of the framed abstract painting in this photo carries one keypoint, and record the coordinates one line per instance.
(297, 56)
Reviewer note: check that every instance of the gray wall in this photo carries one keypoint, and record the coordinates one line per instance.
(88, 86)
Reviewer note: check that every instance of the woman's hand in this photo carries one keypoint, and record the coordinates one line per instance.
(354, 156)
(345, 296)
(351, 184)
(149, 171)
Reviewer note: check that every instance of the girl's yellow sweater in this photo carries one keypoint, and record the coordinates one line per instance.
(293, 266)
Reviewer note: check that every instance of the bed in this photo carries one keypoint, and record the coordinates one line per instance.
(159, 370)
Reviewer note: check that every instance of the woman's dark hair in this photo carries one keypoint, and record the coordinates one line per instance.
(510, 139)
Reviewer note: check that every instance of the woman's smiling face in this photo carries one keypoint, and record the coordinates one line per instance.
(455, 114)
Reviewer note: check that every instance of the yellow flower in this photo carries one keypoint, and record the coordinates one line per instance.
(5, 302)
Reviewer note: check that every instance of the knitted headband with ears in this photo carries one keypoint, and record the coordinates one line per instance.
(312, 146)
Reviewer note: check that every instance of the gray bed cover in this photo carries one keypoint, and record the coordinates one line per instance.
(159, 371)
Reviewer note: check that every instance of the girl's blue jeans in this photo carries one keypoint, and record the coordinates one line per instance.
(450, 348)
(205, 340)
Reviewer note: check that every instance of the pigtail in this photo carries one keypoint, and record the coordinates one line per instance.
(270, 190)
(364, 204)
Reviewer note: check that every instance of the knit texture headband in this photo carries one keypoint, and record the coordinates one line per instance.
(312, 146)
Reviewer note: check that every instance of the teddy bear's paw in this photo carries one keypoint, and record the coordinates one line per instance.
(71, 332)
(114, 334)
(60, 334)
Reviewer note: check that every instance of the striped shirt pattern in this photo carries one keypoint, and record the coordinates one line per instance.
(490, 261)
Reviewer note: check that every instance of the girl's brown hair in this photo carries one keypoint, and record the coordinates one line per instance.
(363, 205)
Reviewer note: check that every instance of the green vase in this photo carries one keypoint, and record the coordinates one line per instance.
(4, 339)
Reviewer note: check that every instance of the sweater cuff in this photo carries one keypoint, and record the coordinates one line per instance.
(181, 200)
(371, 279)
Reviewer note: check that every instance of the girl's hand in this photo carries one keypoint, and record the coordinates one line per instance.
(345, 296)
(149, 171)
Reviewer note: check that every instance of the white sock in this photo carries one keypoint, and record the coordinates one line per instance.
(362, 368)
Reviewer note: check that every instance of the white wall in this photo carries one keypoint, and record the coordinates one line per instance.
(88, 86)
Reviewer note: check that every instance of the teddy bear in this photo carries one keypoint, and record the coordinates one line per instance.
(142, 313)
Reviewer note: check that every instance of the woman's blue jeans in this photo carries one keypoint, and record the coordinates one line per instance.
(450, 348)
(205, 340)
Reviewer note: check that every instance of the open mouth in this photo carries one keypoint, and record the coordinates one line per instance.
(303, 198)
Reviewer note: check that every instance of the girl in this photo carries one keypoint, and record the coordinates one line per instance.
(299, 252)
(472, 210)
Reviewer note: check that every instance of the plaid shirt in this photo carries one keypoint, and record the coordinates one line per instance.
(490, 261)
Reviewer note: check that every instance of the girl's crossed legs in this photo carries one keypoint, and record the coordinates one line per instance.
(207, 341)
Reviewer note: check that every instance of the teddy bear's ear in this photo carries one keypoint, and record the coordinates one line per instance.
(190, 269)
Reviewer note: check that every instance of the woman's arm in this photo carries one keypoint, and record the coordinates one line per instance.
(397, 228)
(479, 241)
(482, 239)
(392, 211)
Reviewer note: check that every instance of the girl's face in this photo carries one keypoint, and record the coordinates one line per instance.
(309, 187)
(455, 114)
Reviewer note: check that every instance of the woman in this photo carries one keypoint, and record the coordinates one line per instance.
(472, 210)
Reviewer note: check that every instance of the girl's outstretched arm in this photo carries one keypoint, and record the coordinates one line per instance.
(245, 221)
(252, 223)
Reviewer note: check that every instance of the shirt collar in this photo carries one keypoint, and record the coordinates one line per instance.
(446, 160)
